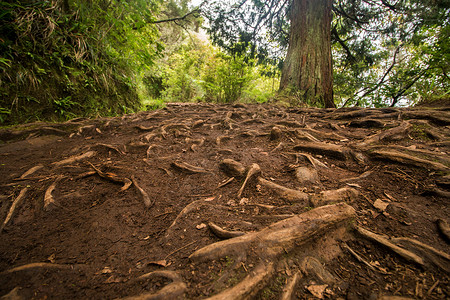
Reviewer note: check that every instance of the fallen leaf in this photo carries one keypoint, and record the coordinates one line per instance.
(317, 290)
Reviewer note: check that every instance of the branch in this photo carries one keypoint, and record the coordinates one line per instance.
(195, 11)
(407, 87)
(343, 44)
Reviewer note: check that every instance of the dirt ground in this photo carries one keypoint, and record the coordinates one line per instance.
(89, 206)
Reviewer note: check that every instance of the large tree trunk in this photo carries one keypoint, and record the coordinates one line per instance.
(307, 70)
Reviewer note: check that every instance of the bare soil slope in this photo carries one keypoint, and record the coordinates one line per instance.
(228, 202)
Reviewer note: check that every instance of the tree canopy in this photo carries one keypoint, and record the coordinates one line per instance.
(382, 50)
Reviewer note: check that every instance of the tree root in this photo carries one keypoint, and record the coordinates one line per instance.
(289, 289)
(430, 254)
(31, 171)
(222, 233)
(358, 257)
(114, 178)
(393, 134)
(109, 147)
(74, 159)
(312, 266)
(326, 149)
(281, 236)
(345, 194)
(185, 167)
(305, 136)
(408, 255)
(174, 290)
(314, 161)
(407, 159)
(232, 168)
(362, 176)
(270, 243)
(48, 197)
(147, 201)
(444, 228)
(36, 265)
(252, 173)
(250, 286)
(292, 196)
(13, 207)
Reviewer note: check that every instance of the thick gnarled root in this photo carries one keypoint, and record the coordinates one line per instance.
(281, 236)
(270, 243)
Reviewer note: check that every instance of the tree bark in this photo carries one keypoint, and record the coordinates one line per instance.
(307, 70)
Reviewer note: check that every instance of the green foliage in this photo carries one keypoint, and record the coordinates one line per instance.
(197, 71)
(61, 59)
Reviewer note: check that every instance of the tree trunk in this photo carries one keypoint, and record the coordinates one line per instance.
(307, 71)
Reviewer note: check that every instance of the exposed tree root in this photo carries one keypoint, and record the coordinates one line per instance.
(407, 159)
(305, 136)
(358, 257)
(114, 178)
(438, 117)
(174, 290)
(314, 161)
(74, 159)
(13, 295)
(270, 243)
(324, 135)
(289, 289)
(408, 255)
(48, 197)
(326, 149)
(367, 123)
(13, 207)
(193, 206)
(252, 173)
(147, 201)
(222, 233)
(281, 236)
(345, 194)
(232, 168)
(430, 254)
(36, 265)
(393, 134)
(225, 182)
(185, 167)
(444, 228)
(250, 286)
(108, 147)
(312, 266)
(290, 195)
(362, 176)
(31, 171)
(220, 139)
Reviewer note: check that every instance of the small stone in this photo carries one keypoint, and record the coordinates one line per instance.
(201, 226)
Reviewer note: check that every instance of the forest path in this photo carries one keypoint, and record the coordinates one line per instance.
(230, 202)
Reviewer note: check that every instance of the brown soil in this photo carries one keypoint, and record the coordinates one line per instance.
(99, 211)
